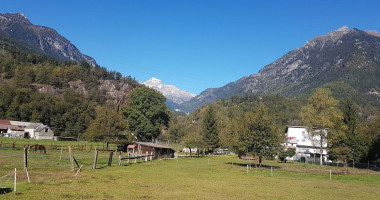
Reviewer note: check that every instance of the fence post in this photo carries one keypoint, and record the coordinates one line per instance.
(129, 154)
(247, 169)
(27, 174)
(15, 180)
(76, 162)
(271, 171)
(146, 156)
(110, 158)
(95, 159)
(330, 174)
(119, 160)
(60, 157)
(71, 158)
(25, 158)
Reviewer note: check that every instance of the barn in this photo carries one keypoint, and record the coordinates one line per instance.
(159, 151)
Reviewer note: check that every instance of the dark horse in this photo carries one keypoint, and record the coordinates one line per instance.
(38, 147)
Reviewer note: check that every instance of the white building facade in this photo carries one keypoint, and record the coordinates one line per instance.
(307, 146)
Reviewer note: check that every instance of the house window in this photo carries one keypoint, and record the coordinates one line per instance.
(46, 130)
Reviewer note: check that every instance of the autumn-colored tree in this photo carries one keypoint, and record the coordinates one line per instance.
(108, 126)
(321, 115)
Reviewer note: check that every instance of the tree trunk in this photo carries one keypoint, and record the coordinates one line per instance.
(190, 152)
(107, 146)
(321, 152)
(260, 161)
(345, 166)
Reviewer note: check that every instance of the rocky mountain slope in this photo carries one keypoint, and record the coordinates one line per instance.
(172, 93)
(350, 57)
(18, 29)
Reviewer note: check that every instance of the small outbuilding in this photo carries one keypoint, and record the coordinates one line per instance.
(159, 151)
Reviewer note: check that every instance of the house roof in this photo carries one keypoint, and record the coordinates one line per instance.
(131, 146)
(16, 128)
(3, 126)
(292, 140)
(150, 144)
(33, 125)
(18, 123)
(41, 127)
(5, 122)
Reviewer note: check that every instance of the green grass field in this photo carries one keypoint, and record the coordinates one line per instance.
(212, 177)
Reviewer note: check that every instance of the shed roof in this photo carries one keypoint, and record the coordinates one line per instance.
(5, 122)
(16, 128)
(33, 126)
(3, 126)
(18, 123)
(150, 144)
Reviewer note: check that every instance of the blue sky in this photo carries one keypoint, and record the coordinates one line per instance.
(193, 44)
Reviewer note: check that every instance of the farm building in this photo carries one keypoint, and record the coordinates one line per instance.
(17, 129)
(307, 147)
(38, 131)
(159, 151)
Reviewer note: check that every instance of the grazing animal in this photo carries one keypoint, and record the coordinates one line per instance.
(39, 147)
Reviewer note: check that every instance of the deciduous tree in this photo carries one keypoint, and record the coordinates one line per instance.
(147, 113)
(321, 115)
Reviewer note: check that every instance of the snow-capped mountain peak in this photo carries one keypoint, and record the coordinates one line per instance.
(171, 92)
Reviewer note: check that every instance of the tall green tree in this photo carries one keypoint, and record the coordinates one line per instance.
(260, 136)
(108, 126)
(147, 113)
(321, 115)
(210, 129)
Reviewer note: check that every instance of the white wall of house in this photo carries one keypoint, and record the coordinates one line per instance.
(306, 144)
(30, 131)
(44, 134)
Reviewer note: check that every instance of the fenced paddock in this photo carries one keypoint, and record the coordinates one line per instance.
(209, 177)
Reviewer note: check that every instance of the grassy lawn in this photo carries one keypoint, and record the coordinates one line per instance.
(213, 177)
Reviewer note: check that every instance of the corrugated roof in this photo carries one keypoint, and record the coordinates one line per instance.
(41, 127)
(4, 126)
(16, 128)
(33, 126)
(18, 123)
(150, 144)
(5, 122)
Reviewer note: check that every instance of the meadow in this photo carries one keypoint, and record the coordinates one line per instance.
(209, 177)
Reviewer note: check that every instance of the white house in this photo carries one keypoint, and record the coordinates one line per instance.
(306, 146)
(39, 131)
(17, 129)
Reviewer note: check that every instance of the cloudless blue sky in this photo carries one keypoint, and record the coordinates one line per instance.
(193, 44)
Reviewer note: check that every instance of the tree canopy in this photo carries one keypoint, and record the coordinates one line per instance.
(147, 113)
(321, 115)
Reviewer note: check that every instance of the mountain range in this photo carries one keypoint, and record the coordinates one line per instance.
(174, 95)
(17, 30)
(346, 58)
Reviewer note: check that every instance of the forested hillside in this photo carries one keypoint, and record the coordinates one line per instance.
(63, 95)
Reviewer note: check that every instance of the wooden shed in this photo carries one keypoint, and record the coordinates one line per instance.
(143, 148)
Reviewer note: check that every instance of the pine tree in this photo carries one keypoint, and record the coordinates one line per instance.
(210, 129)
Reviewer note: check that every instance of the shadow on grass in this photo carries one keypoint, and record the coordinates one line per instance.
(254, 165)
(5, 190)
